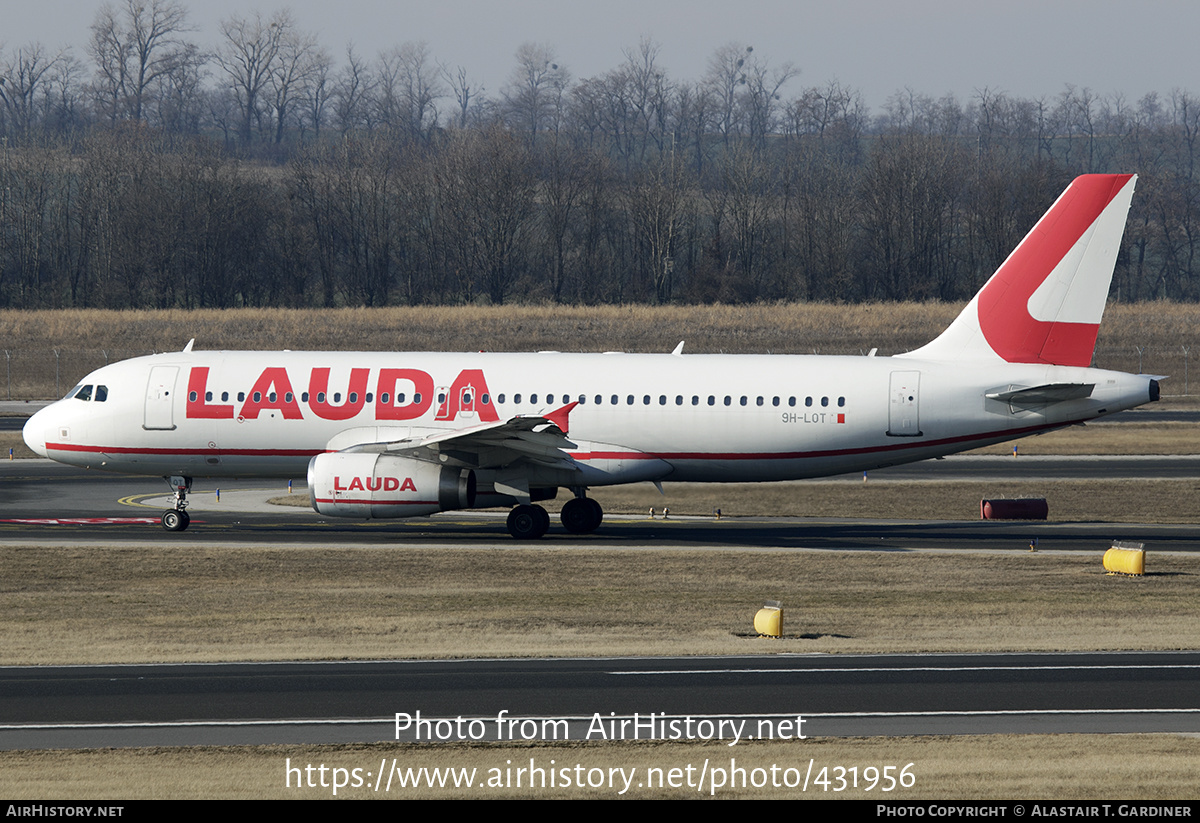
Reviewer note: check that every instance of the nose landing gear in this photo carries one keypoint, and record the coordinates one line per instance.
(176, 519)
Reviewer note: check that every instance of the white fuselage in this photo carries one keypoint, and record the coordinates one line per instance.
(707, 418)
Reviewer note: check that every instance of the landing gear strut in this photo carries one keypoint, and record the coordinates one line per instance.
(581, 515)
(176, 519)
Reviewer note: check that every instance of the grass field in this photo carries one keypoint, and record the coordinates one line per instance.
(128, 604)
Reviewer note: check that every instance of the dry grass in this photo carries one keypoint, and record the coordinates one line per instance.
(1000, 767)
(85, 339)
(121, 604)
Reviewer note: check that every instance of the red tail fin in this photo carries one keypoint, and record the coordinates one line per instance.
(1045, 302)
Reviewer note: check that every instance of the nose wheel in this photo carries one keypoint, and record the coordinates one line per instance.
(176, 519)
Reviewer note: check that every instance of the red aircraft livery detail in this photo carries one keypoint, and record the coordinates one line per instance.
(414, 388)
(1004, 316)
(374, 484)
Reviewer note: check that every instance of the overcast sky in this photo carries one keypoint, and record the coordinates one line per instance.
(1029, 48)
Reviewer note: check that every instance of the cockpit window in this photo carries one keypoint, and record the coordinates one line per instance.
(71, 393)
(84, 393)
(101, 394)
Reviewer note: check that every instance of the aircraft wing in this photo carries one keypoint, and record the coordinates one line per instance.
(539, 439)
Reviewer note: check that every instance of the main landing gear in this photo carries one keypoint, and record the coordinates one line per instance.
(176, 519)
(581, 515)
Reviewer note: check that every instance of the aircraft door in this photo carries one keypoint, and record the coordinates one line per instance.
(904, 404)
(160, 398)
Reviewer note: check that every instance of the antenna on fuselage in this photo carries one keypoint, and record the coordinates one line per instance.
(189, 345)
(678, 351)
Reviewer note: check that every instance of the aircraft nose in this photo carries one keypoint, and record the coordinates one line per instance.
(34, 432)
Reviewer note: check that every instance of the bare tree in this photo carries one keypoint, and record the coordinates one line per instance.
(408, 89)
(24, 87)
(295, 65)
(351, 94)
(535, 95)
(135, 47)
(464, 92)
(248, 57)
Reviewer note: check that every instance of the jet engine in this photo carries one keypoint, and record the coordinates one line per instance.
(359, 484)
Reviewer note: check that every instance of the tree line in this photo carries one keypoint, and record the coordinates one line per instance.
(158, 173)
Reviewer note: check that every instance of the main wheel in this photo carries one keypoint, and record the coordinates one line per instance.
(581, 515)
(175, 520)
(527, 522)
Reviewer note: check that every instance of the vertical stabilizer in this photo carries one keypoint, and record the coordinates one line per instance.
(1045, 302)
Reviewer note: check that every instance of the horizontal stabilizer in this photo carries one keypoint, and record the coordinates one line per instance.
(1037, 396)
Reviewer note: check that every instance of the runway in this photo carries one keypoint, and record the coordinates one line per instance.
(241, 703)
(51, 504)
(835, 696)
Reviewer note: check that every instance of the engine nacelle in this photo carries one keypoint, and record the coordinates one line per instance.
(358, 484)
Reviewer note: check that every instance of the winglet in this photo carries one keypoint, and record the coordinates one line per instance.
(559, 416)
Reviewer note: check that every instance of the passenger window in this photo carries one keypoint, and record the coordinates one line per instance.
(743, 401)
(662, 400)
(225, 396)
(242, 396)
(808, 401)
(500, 399)
(728, 400)
(191, 397)
(517, 398)
(774, 401)
(646, 400)
(207, 396)
(695, 400)
(712, 401)
(758, 401)
(629, 400)
(791, 401)
(487, 401)
(824, 401)
(258, 397)
(533, 398)
(384, 398)
(841, 401)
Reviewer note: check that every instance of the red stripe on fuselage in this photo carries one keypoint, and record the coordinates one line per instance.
(613, 455)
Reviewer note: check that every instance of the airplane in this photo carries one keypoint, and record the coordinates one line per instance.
(395, 435)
